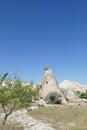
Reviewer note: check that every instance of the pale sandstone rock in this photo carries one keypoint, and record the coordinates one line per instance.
(50, 84)
(27, 122)
(71, 88)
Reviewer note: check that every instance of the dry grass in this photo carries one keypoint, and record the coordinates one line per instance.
(11, 126)
(63, 117)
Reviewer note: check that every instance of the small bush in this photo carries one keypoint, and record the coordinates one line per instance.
(83, 95)
(53, 98)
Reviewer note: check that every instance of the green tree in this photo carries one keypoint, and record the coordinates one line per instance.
(14, 96)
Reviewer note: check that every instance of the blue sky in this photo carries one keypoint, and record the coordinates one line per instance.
(39, 33)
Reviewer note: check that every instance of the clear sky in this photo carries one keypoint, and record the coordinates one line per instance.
(39, 33)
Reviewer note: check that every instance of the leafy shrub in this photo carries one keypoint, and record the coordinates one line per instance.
(83, 95)
(53, 98)
(14, 96)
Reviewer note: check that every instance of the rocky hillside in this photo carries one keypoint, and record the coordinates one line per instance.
(70, 88)
(66, 84)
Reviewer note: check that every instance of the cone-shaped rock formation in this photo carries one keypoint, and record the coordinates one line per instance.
(50, 84)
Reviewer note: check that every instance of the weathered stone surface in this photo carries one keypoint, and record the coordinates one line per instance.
(22, 118)
(50, 84)
(75, 86)
(28, 123)
(71, 88)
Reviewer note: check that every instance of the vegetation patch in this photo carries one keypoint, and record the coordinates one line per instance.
(15, 96)
(63, 117)
(83, 95)
(53, 98)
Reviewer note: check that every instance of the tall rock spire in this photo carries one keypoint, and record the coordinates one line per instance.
(49, 84)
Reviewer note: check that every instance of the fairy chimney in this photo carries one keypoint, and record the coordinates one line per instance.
(49, 84)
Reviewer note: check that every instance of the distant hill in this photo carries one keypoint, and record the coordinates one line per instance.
(70, 88)
(75, 86)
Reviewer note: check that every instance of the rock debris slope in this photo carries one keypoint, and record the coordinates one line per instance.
(71, 87)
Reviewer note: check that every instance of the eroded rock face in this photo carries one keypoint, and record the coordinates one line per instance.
(71, 88)
(75, 86)
(50, 84)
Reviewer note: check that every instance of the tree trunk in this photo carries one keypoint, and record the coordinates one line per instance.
(4, 122)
